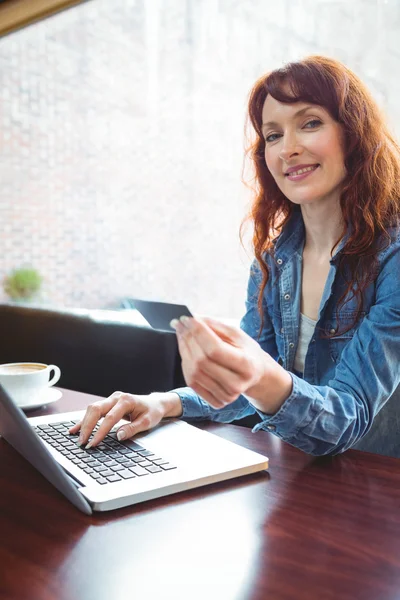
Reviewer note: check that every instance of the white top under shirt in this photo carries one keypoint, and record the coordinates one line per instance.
(306, 331)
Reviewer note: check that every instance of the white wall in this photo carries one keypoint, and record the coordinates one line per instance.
(122, 137)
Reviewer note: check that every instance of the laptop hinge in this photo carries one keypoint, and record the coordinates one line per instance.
(78, 484)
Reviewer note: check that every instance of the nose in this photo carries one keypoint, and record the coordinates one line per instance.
(290, 147)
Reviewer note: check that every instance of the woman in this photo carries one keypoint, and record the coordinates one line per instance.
(317, 353)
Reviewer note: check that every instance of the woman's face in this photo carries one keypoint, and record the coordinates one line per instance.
(303, 151)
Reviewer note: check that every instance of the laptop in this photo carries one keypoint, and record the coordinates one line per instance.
(173, 457)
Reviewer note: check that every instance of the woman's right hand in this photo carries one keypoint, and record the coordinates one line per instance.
(143, 411)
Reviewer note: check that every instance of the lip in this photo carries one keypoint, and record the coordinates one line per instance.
(296, 178)
(297, 167)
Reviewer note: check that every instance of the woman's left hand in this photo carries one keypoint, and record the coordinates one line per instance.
(219, 362)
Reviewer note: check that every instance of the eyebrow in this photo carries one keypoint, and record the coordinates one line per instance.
(296, 114)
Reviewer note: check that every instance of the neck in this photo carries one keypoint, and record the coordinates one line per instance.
(323, 224)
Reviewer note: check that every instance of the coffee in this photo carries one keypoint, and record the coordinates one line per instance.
(20, 368)
(27, 382)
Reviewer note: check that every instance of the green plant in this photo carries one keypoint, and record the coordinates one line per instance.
(22, 283)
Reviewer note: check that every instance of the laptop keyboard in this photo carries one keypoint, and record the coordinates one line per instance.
(109, 461)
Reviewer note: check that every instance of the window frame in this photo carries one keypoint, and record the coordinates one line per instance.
(15, 14)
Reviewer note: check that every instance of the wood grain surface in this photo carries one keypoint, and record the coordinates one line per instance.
(323, 528)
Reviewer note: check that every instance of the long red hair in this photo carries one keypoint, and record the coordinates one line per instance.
(370, 198)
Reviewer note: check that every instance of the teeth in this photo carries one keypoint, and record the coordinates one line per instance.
(300, 171)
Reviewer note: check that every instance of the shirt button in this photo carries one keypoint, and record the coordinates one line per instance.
(287, 296)
(291, 345)
(282, 330)
(279, 261)
(332, 331)
(271, 427)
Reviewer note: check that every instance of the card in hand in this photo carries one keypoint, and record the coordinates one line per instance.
(160, 314)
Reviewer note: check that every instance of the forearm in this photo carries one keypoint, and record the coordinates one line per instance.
(171, 404)
(274, 387)
(194, 408)
(325, 419)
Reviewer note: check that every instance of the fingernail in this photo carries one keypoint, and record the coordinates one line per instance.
(121, 435)
(89, 445)
(174, 323)
(185, 320)
(80, 441)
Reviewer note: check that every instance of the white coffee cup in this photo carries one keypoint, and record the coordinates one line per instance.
(25, 382)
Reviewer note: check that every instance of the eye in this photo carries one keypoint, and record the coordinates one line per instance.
(313, 124)
(272, 137)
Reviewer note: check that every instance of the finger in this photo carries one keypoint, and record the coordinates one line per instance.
(224, 331)
(208, 397)
(208, 379)
(141, 424)
(94, 412)
(221, 381)
(190, 353)
(124, 405)
(75, 428)
(184, 349)
(217, 350)
(214, 387)
(225, 383)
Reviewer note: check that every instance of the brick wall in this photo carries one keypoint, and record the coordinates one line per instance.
(121, 141)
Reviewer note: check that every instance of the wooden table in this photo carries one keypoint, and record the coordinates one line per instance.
(326, 528)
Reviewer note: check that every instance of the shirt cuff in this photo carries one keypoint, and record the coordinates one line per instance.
(193, 407)
(298, 411)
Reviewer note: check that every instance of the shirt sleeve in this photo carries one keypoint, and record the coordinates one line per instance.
(194, 407)
(330, 419)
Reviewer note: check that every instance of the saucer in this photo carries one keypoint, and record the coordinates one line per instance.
(46, 397)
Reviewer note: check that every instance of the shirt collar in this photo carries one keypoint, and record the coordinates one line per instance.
(292, 237)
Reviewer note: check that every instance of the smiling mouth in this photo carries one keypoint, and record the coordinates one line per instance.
(301, 171)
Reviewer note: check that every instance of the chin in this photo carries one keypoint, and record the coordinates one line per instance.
(304, 197)
(303, 201)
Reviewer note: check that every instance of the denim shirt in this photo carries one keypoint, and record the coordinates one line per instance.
(347, 378)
